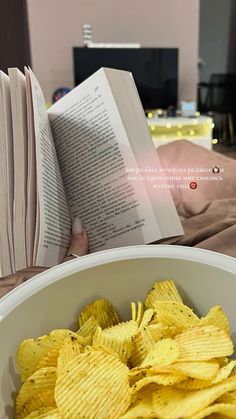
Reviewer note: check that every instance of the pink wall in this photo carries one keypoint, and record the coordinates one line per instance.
(56, 26)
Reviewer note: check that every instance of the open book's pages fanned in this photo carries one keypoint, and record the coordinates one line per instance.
(6, 176)
(31, 174)
(99, 130)
(53, 225)
(19, 123)
(72, 161)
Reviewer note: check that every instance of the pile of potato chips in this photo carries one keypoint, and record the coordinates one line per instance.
(165, 363)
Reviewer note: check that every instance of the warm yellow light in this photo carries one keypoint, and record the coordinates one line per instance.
(179, 133)
(209, 121)
(168, 125)
(180, 125)
(197, 113)
(150, 115)
(214, 141)
(212, 125)
(192, 132)
(153, 127)
(159, 112)
(195, 122)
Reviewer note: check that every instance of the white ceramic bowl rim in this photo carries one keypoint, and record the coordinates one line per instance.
(25, 290)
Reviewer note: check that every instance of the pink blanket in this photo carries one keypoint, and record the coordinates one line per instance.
(208, 213)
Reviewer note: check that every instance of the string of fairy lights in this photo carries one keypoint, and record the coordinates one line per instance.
(165, 128)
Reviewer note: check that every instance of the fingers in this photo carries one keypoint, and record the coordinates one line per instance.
(79, 240)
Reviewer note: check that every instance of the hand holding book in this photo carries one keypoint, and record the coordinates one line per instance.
(72, 161)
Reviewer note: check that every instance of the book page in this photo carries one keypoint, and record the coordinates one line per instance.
(31, 174)
(53, 227)
(6, 174)
(19, 122)
(93, 152)
(149, 166)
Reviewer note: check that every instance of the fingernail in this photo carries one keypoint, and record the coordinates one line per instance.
(77, 227)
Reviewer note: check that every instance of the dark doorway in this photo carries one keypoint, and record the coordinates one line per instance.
(14, 35)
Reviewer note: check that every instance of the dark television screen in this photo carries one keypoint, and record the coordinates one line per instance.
(155, 70)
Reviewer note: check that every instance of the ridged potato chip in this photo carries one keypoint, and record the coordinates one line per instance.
(89, 328)
(146, 318)
(44, 399)
(94, 383)
(199, 370)
(139, 351)
(163, 353)
(172, 403)
(226, 409)
(202, 343)
(174, 313)
(50, 359)
(142, 406)
(228, 398)
(31, 351)
(102, 310)
(45, 413)
(165, 363)
(193, 384)
(216, 317)
(161, 379)
(119, 343)
(68, 351)
(160, 331)
(162, 291)
(137, 312)
(41, 381)
(148, 338)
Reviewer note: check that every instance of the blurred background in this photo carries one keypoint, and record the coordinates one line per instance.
(43, 33)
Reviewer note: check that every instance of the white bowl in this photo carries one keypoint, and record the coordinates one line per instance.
(54, 298)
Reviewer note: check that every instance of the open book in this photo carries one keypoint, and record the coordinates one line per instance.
(74, 160)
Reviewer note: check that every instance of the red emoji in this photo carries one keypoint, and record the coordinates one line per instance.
(193, 185)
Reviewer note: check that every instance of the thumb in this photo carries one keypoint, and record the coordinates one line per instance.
(79, 239)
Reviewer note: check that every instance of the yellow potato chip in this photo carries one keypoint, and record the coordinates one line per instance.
(50, 359)
(89, 328)
(45, 413)
(199, 370)
(102, 310)
(202, 343)
(225, 372)
(38, 413)
(136, 374)
(118, 342)
(161, 379)
(68, 351)
(226, 409)
(160, 331)
(31, 351)
(147, 337)
(39, 382)
(139, 351)
(95, 383)
(44, 399)
(136, 311)
(173, 313)
(146, 318)
(162, 291)
(142, 407)
(193, 384)
(164, 352)
(172, 403)
(228, 398)
(216, 317)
